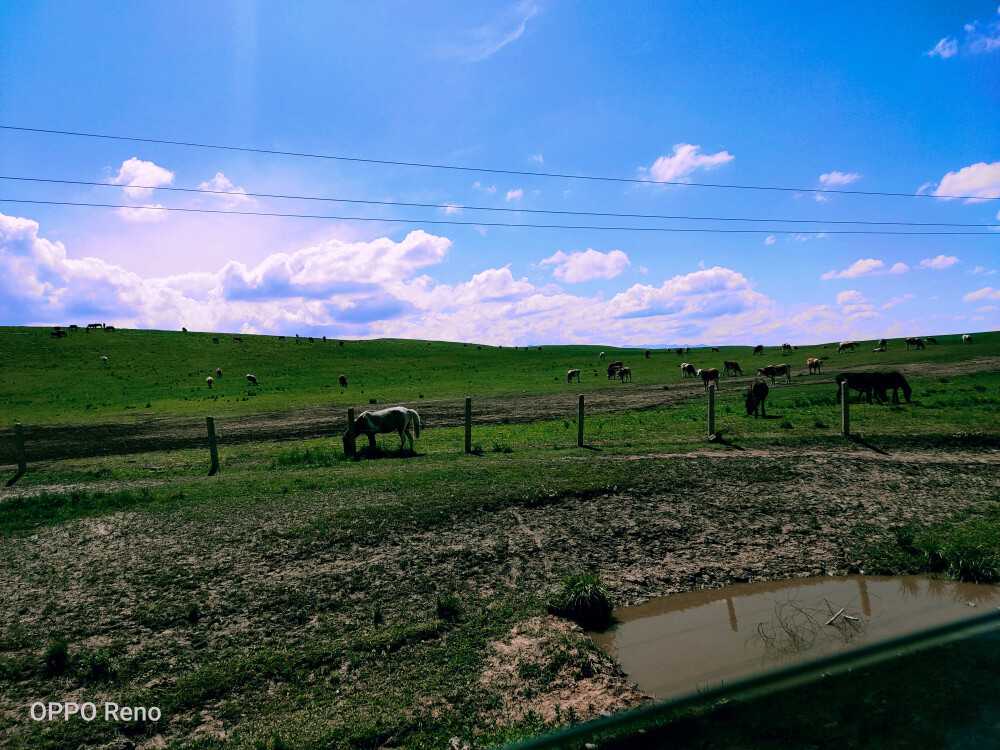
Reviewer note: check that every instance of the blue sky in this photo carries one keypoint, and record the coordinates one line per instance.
(898, 98)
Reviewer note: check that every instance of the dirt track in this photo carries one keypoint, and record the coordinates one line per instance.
(52, 442)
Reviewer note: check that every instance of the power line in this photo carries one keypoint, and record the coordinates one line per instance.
(395, 220)
(452, 167)
(244, 194)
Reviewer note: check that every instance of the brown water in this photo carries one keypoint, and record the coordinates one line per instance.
(703, 639)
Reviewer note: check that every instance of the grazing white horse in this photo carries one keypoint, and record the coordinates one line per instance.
(394, 419)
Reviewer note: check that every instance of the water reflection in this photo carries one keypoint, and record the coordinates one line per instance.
(687, 641)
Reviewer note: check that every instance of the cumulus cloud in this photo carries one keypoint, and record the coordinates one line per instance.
(896, 300)
(585, 266)
(837, 179)
(947, 47)
(515, 195)
(140, 177)
(850, 296)
(484, 41)
(980, 38)
(864, 267)
(939, 263)
(684, 160)
(975, 182)
(987, 292)
(146, 213)
(983, 270)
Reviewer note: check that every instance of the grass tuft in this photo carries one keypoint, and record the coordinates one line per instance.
(584, 599)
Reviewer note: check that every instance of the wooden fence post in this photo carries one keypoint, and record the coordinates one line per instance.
(711, 410)
(19, 449)
(350, 448)
(845, 412)
(468, 425)
(213, 449)
(579, 423)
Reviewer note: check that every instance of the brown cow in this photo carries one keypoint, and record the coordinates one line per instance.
(759, 349)
(251, 379)
(343, 380)
(613, 369)
(913, 341)
(625, 373)
(647, 354)
(815, 365)
(218, 372)
(687, 370)
(573, 374)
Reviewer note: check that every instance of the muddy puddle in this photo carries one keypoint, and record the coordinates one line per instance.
(702, 639)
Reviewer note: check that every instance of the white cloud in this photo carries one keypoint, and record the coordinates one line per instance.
(947, 47)
(850, 296)
(837, 179)
(769, 240)
(538, 158)
(484, 41)
(451, 208)
(148, 212)
(230, 194)
(479, 186)
(140, 177)
(977, 181)
(515, 195)
(984, 293)
(980, 38)
(683, 162)
(982, 270)
(987, 308)
(939, 263)
(896, 300)
(864, 267)
(806, 237)
(587, 265)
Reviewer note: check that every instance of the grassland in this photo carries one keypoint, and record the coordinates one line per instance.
(298, 599)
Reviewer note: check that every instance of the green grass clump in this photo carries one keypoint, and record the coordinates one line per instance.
(449, 608)
(967, 552)
(56, 657)
(584, 599)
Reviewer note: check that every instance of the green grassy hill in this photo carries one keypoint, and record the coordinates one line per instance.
(46, 380)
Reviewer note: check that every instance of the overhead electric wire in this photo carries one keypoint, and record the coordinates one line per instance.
(446, 206)
(485, 170)
(396, 220)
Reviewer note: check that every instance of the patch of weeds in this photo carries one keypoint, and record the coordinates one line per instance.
(785, 424)
(97, 667)
(56, 657)
(819, 424)
(377, 617)
(502, 448)
(192, 614)
(477, 450)
(449, 608)
(584, 599)
(318, 456)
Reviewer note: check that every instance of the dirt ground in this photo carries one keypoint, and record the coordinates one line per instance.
(52, 442)
(693, 521)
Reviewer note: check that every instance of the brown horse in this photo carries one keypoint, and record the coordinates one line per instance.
(882, 381)
(862, 382)
(730, 367)
(756, 396)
